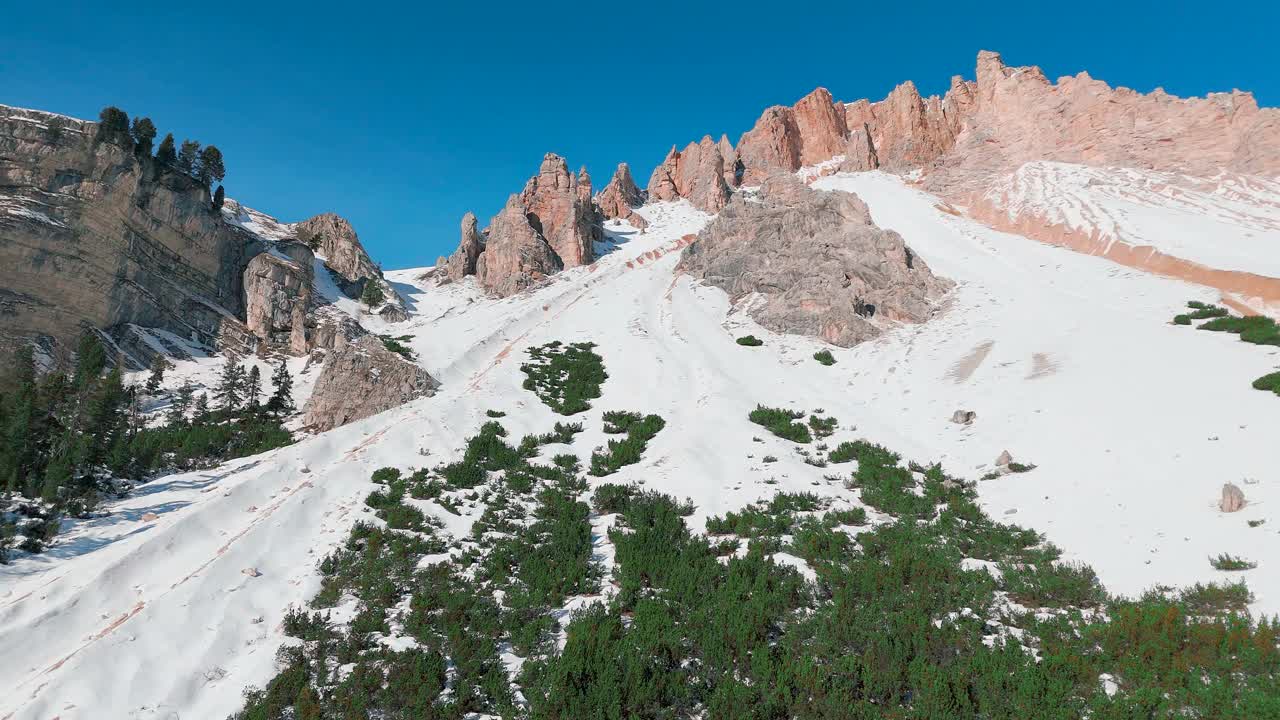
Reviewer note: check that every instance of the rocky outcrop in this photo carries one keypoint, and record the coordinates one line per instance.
(697, 173)
(772, 145)
(559, 206)
(336, 242)
(463, 260)
(813, 263)
(859, 152)
(517, 256)
(1232, 499)
(92, 235)
(362, 378)
(821, 125)
(549, 226)
(277, 288)
(620, 197)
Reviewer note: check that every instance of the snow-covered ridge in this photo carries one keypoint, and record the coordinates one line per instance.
(1228, 222)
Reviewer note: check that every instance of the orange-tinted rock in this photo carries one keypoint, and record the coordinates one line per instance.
(773, 144)
(821, 125)
(620, 197)
(697, 173)
(559, 206)
(860, 152)
(516, 255)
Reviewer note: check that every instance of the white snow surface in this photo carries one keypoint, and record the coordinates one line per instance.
(1069, 361)
(1228, 222)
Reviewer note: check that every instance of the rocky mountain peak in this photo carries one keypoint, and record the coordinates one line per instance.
(552, 224)
(620, 196)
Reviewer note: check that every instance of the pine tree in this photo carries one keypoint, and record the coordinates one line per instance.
(144, 134)
(282, 390)
(91, 359)
(181, 402)
(252, 387)
(230, 391)
(158, 365)
(210, 169)
(219, 197)
(202, 408)
(113, 125)
(372, 295)
(17, 431)
(189, 158)
(167, 154)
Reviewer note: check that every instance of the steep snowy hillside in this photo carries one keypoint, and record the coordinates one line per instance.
(174, 604)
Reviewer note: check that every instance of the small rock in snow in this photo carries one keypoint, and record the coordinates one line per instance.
(148, 517)
(963, 417)
(1004, 459)
(251, 572)
(1232, 498)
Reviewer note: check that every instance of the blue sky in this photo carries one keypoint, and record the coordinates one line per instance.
(403, 118)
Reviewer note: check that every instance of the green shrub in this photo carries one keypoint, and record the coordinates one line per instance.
(1270, 381)
(1182, 319)
(640, 430)
(825, 357)
(1215, 598)
(822, 427)
(1254, 329)
(750, 341)
(1225, 561)
(565, 377)
(782, 423)
(495, 413)
(1054, 585)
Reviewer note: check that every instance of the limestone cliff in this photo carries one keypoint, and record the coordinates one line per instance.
(94, 234)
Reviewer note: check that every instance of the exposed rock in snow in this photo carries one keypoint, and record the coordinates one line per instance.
(363, 378)
(964, 417)
(1232, 498)
(516, 256)
(463, 260)
(1004, 459)
(277, 289)
(859, 152)
(560, 208)
(551, 225)
(819, 263)
(620, 197)
(697, 173)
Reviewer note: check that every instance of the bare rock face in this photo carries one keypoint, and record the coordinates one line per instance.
(772, 145)
(93, 235)
(821, 124)
(559, 207)
(336, 241)
(620, 197)
(363, 378)
(463, 260)
(277, 290)
(697, 173)
(549, 226)
(817, 262)
(860, 153)
(516, 256)
(1232, 498)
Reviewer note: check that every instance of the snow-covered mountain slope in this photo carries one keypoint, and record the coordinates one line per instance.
(1068, 360)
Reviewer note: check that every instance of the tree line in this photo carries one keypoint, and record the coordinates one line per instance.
(69, 438)
(205, 164)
